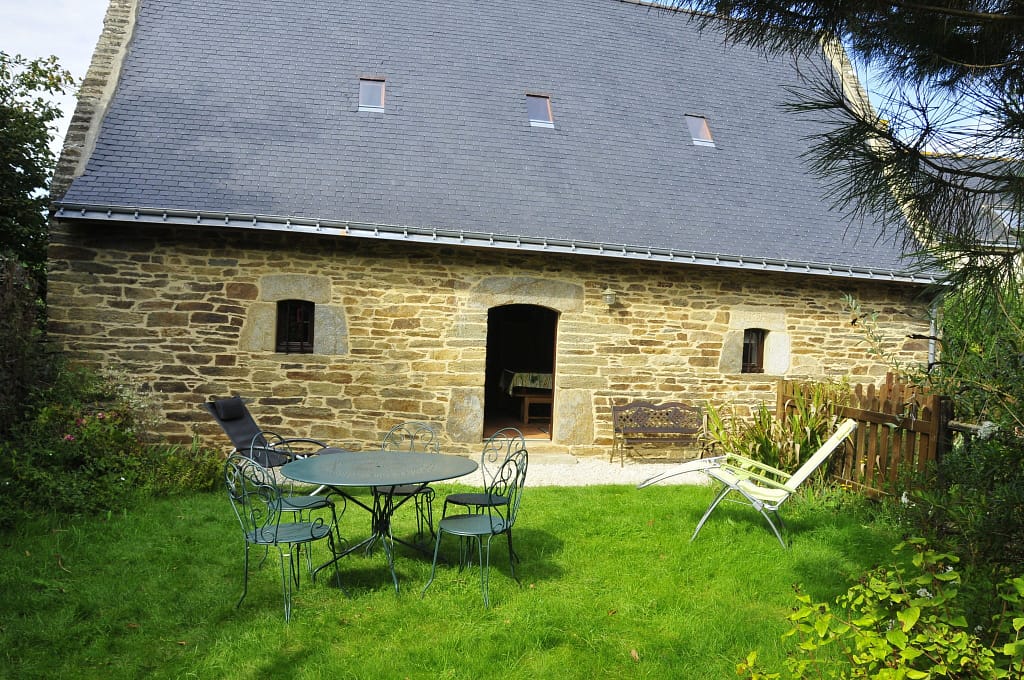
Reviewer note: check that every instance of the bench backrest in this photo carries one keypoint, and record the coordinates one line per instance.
(668, 420)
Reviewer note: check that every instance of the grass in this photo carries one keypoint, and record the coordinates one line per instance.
(611, 588)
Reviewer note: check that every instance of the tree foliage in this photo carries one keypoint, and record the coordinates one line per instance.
(944, 143)
(27, 117)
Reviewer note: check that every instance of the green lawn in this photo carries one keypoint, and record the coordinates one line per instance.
(611, 587)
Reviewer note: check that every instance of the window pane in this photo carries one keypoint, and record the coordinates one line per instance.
(753, 350)
(371, 94)
(295, 326)
(538, 109)
(700, 131)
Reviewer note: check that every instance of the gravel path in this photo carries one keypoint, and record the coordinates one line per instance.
(564, 470)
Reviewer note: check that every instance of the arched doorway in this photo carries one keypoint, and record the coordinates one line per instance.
(519, 384)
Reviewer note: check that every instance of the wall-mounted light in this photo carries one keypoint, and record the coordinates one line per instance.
(608, 295)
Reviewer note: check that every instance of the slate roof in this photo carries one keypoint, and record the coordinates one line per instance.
(244, 113)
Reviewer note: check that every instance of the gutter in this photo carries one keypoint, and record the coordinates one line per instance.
(458, 237)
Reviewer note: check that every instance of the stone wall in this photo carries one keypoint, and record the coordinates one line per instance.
(401, 329)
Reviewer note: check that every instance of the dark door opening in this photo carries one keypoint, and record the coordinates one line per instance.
(520, 378)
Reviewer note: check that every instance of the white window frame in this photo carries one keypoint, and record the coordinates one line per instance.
(382, 83)
(698, 126)
(549, 122)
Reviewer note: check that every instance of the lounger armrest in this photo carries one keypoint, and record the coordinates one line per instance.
(744, 463)
(762, 480)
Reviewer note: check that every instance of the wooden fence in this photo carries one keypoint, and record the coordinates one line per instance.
(899, 431)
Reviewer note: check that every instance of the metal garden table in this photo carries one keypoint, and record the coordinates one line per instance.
(384, 470)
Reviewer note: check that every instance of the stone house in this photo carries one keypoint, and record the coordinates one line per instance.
(356, 213)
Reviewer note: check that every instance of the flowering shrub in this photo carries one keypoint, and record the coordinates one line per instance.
(84, 450)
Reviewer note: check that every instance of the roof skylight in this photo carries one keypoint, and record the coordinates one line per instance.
(371, 94)
(538, 110)
(700, 131)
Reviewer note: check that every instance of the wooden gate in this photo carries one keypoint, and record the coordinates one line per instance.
(899, 431)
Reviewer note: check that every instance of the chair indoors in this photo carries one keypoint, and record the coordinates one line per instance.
(271, 450)
(755, 484)
(258, 505)
(491, 521)
(414, 437)
(498, 447)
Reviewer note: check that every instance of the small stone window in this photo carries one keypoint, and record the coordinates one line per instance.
(295, 326)
(753, 350)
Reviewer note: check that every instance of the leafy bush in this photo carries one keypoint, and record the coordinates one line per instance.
(902, 623)
(84, 449)
(975, 505)
(786, 441)
(971, 502)
(173, 469)
(24, 360)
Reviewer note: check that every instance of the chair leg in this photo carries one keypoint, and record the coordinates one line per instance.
(336, 540)
(334, 552)
(433, 566)
(294, 561)
(266, 551)
(512, 556)
(430, 512)
(714, 504)
(485, 567)
(772, 525)
(245, 580)
(286, 582)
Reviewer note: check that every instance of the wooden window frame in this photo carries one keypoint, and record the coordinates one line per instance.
(753, 350)
(295, 327)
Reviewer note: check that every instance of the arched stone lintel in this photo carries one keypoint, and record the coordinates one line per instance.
(276, 287)
(496, 291)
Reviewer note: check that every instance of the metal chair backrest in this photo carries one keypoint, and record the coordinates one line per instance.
(412, 437)
(508, 481)
(255, 498)
(498, 447)
(238, 424)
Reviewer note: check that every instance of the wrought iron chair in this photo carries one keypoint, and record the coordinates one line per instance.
(498, 447)
(494, 520)
(258, 505)
(758, 485)
(414, 437)
(271, 451)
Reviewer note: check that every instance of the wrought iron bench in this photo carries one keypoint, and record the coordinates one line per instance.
(641, 422)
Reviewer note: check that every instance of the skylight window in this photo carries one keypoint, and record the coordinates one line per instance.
(371, 94)
(700, 131)
(1003, 226)
(538, 110)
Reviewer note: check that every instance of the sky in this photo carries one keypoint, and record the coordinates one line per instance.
(68, 29)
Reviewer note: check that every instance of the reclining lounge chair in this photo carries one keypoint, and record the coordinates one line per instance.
(762, 487)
